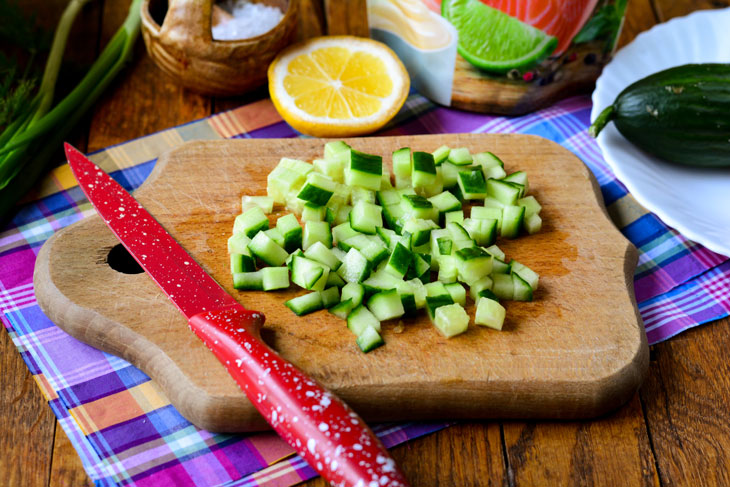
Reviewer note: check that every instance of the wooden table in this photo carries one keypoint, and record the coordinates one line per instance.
(673, 432)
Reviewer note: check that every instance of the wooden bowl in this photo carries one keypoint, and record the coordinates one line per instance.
(183, 46)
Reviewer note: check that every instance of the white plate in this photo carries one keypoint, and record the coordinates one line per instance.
(696, 202)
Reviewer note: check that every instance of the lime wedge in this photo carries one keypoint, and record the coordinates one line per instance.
(492, 40)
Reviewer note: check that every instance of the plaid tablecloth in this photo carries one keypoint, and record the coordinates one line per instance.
(125, 429)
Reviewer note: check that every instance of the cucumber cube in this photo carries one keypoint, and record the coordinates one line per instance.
(360, 318)
(366, 217)
(317, 189)
(386, 305)
(423, 173)
(460, 156)
(316, 232)
(420, 230)
(330, 297)
(238, 244)
(402, 163)
(399, 261)
(355, 267)
(512, 220)
(251, 222)
(530, 276)
(441, 154)
(342, 232)
(364, 170)
(487, 160)
(314, 213)
(305, 304)
(473, 264)
(362, 194)
(263, 247)
(289, 175)
(504, 192)
(448, 270)
(320, 253)
(532, 224)
(342, 309)
(451, 320)
(489, 313)
(453, 216)
(242, 263)
(275, 278)
(522, 291)
(519, 177)
(449, 173)
(445, 202)
(457, 292)
(248, 281)
(336, 150)
(309, 274)
(472, 184)
(433, 303)
(483, 284)
(266, 203)
(354, 292)
(503, 286)
(369, 340)
(291, 230)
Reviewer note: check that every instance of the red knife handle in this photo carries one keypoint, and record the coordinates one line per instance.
(329, 435)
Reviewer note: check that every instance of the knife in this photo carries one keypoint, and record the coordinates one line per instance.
(322, 429)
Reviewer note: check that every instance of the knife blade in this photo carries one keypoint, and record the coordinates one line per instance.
(322, 429)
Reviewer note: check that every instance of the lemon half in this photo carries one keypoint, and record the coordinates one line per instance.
(338, 86)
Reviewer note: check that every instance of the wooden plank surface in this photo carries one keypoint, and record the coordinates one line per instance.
(681, 406)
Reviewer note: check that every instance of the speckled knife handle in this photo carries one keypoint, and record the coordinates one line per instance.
(320, 427)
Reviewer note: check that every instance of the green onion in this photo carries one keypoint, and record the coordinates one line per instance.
(24, 155)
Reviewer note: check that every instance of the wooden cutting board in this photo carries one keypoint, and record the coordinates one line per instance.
(578, 350)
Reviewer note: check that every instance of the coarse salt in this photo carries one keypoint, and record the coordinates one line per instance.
(249, 20)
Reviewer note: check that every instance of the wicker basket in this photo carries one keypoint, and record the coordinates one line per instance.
(183, 46)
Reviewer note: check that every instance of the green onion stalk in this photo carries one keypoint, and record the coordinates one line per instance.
(28, 143)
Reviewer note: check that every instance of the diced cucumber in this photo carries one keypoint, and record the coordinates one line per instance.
(388, 197)
(290, 259)
(266, 203)
(336, 150)
(460, 156)
(472, 184)
(342, 309)
(503, 286)
(495, 251)
(399, 261)
(522, 291)
(444, 245)
(530, 276)
(441, 154)
(519, 177)
(512, 220)
(380, 281)
(448, 270)
(500, 267)
(275, 278)
(420, 267)
(251, 222)
(473, 263)
(263, 247)
(402, 163)
(451, 320)
(490, 202)
(314, 213)
(453, 216)
(248, 280)
(360, 318)
(343, 215)
(487, 213)
(483, 232)
(419, 292)
(487, 159)
(275, 235)
(238, 244)
(495, 172)
(308, 273)
(449, 174)
(334, 279)
(445, 202)
(532, 224)
(316, 232)
(505, 193)
(457, 292)
(392, 215)
(317, 189)
(532, 206)
(420, 230)
(320, 253)
(385, 235)
(343, 232)
(435, 302)
(457, 231)
(330, 297)
(489, 313)
(366, 217)
(416, 206)
(386, 305)
(435, 289)
(362, 194)
(423, 172)
(332, 168)
(355, 267)
(485, 283)
(364, 170)
(289, 175)
(354, 292)
(242, 263)
(308, 303)
(369, 339)
(291, 230)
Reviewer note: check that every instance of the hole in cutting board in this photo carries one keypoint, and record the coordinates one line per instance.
(122, 261)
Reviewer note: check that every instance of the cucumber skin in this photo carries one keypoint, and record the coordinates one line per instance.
(679, 115)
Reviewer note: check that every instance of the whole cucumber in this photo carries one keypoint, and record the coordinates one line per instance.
(681, 115)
